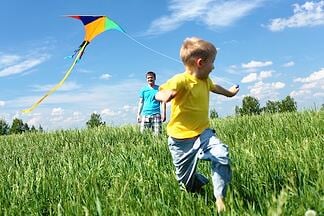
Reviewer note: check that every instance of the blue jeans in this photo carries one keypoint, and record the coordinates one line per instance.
(185, 154)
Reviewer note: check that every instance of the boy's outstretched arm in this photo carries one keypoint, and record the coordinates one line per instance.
(228, 93)
(165, 95)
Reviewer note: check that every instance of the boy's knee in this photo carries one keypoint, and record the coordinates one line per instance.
(221, 153)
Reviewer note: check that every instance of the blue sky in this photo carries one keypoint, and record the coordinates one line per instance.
(271, 48)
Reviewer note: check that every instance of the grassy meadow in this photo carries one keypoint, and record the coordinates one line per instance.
(277, 163)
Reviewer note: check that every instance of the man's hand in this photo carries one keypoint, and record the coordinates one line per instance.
(138, 118)
(163, 117)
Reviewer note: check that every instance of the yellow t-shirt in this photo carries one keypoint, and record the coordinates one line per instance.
(189, 108)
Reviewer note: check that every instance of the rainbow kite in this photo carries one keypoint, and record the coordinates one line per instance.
(93, 26)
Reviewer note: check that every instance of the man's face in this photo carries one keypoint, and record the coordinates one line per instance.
(150, 79)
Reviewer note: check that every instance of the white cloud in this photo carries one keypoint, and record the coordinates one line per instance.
(16, 115)
(129, 108)
(289, 64)
(225, 13)
(256, 64)
(318, 75)
(213, 13)
(23, 66)
(57, 114)
(319, 94)
(265, 74)
(2, 103)
(57, 111)
(35, 120)
(299, 93)
(105, 76)
(313, 85)
(76, 117)
(76, 114)
(256, 77)
(109, 112)
(8, 59)
(278, 85)
(250, 78)
(263, 90)
(311, 13)
(233, 69)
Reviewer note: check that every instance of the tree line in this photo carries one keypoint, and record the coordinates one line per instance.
(17, 127)
(251, 106)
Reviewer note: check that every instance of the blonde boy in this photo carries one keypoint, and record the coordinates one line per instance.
(190, 137)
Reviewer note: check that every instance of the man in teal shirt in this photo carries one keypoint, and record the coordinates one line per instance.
(149, 113)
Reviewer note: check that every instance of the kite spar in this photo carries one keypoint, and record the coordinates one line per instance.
(93, 26)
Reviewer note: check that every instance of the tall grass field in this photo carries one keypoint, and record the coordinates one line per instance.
(277, 164)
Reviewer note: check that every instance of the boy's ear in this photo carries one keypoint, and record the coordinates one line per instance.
(199, 62)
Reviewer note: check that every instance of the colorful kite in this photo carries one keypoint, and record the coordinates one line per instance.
(93, 26)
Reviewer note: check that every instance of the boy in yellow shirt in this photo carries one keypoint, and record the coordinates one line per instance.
(190, 137)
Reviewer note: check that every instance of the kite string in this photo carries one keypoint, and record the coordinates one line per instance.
(164, 55)
(155, 51)
(225, 80)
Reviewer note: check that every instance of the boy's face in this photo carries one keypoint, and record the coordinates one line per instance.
(206, 67)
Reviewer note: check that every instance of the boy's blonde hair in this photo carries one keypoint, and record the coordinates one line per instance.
(193, 48)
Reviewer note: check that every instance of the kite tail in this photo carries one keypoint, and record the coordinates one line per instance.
(80, 52)
(77, 51)
(82, 48)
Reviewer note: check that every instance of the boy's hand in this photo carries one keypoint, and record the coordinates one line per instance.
(226, 92)
(234, 90)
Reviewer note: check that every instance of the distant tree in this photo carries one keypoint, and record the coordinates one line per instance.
(213, 114)
(288, 105)
(25, 127)
(250, 106)
(17, 126)
(33, 129)
(95, 121)
(237, 110)
(322, 108)
(272, 106)
(4, 127)
(40, 128)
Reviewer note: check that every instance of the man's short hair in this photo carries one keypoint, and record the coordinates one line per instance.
(150, 73)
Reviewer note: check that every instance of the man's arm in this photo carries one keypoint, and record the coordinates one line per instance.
(163, 112)
(139, 109)
(165, 95)
(228, 93)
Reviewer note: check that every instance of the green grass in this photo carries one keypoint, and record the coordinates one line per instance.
(277, 162)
